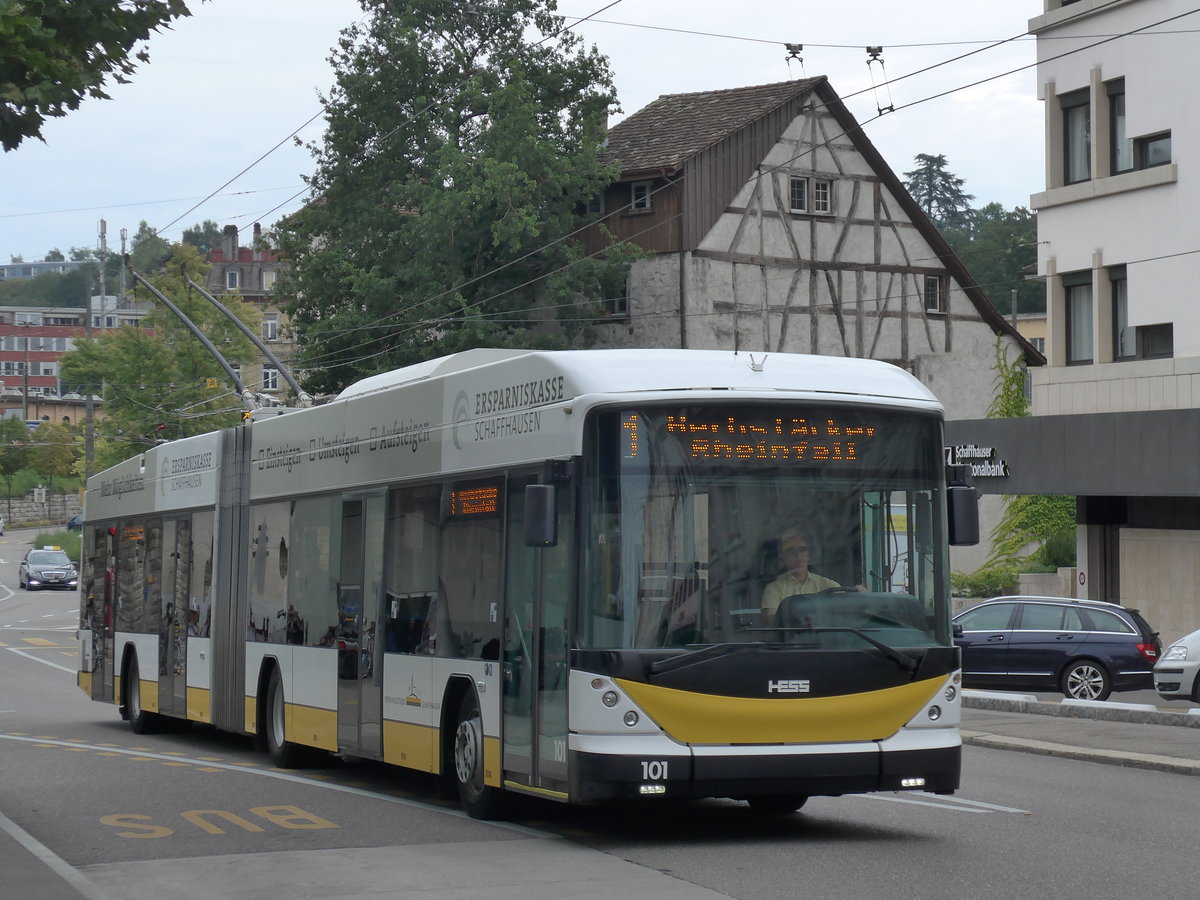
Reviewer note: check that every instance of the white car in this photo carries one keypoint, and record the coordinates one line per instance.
(1177, 672)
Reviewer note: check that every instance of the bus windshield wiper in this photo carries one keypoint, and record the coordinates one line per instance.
(712, 651)
(907, 663)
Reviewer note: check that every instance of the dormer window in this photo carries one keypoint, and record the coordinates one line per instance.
(231, 280)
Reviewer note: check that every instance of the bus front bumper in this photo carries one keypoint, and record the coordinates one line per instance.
(601, 774)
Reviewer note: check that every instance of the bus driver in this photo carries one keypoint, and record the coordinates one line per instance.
(797, 579)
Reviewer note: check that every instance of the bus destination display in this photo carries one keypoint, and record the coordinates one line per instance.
(753, 436)
(475, 501)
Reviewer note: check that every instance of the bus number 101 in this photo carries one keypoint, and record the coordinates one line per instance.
(654, 770)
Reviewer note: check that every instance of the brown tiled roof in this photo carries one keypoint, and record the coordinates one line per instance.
(675, 127)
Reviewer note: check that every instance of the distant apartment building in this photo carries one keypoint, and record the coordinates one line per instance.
(33, 340)
(1117, 409)
(39, 267)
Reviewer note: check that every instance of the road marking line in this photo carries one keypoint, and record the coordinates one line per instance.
(39, 642)
(28, 654)
(980, 803)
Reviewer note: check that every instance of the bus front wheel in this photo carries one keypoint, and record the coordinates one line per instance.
(284, 753)
(479, 800)
(140, 721)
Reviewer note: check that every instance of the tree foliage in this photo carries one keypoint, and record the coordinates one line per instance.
(203, 236)
(53, 53)
(53, 452)
(1000, 248)
(148, 252)
(939, 192)
(1045, 521)
(459, 147)
(159, 382)
(14, 454)
(57, 289)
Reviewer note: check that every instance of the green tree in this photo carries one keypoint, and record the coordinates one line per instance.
(458, 147)
(939, 192)
(55, 255)
(53, 454)
(14, 454)
(203, 236)
(147, 251)
(1000, 248)
(53, 53)
(159, 382)
(61, 289)
(1041, 520)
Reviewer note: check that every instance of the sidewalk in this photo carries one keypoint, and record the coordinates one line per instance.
(32, 870)
(1122, 734)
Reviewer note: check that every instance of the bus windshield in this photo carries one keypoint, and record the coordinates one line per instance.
(809, 524)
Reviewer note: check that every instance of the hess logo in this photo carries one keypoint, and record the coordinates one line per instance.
(788, 686)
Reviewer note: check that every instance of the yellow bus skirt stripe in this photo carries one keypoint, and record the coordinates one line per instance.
(311, 726)
(149, 695)
(85, 683)
(416, 747)
(199, 705)
(709, 719)
(411, 746)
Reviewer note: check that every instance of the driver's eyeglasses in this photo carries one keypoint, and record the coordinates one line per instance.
(791, 550)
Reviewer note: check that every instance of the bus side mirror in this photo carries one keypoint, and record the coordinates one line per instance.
(962, 507)
(541, 516)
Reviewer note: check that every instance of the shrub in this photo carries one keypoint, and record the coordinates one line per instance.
(987, 581)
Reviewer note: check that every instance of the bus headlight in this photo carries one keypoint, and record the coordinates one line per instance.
(935, 713)
(950, 693)
(631, 718)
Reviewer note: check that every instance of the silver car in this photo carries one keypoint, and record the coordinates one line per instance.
(1177, 672)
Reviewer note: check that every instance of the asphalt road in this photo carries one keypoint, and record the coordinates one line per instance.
(199, 814)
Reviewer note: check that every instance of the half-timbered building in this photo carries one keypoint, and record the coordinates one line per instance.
(773, 224)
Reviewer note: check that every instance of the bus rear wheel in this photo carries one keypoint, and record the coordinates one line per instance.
(284, 753)
(478, 799)
(777, 804)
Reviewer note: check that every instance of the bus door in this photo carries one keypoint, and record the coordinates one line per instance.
(176, 568)
(360, 656)
(536, 648)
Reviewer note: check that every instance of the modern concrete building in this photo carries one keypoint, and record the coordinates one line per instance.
(1117, 409)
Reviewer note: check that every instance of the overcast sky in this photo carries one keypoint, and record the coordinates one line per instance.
(238, 78)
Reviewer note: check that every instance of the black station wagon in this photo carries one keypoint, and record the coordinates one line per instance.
(1084, 648)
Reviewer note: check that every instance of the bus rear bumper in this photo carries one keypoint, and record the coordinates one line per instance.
(742, 772)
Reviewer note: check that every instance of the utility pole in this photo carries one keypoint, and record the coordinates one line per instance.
(89, 429)
(25, 392)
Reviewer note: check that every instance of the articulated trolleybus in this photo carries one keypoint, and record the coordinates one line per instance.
(583, 575)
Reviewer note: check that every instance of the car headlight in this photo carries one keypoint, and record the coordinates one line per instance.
(1177, 651)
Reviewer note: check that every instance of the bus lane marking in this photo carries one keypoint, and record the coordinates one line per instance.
(954, 804)
(289, 817)
(212, 766)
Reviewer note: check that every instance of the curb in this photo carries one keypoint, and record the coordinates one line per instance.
(1110, 757)
(1079, 709)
